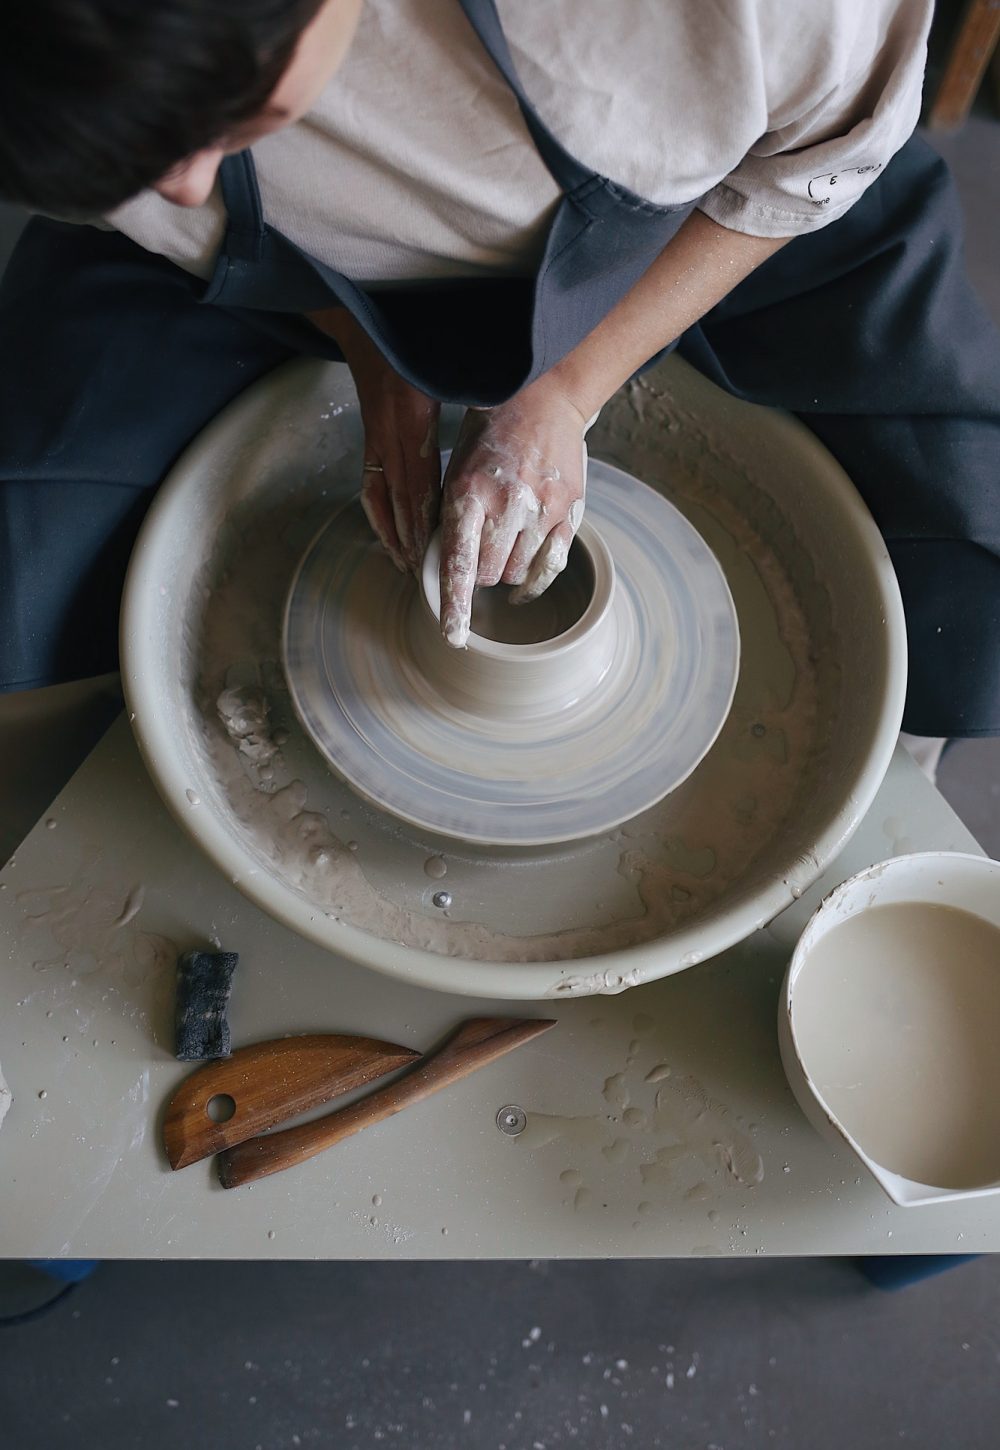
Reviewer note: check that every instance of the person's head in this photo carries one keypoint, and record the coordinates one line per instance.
(100, 99)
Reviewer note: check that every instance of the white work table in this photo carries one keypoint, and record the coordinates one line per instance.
(86, 1045)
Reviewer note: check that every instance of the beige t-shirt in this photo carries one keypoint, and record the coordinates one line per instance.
(416, 162)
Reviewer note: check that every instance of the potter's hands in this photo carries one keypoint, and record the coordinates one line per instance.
(513, 500)
(513, 497)
(401, 479)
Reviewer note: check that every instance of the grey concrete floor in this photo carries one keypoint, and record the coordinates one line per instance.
(802, 1355)
(707, 1355)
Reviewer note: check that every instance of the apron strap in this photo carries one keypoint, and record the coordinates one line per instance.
(564, 168)
(247, 228)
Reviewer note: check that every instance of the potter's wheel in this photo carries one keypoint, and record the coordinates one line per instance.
(805, 744)
(519, 743)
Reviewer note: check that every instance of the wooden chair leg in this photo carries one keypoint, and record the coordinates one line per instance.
(978, 34)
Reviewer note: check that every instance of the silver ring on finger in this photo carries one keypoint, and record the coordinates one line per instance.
(372, 468)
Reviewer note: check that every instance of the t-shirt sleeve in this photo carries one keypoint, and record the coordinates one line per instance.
(189, 237)
(833, 125)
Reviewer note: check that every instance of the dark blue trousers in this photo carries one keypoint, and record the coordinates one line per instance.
(868, 330)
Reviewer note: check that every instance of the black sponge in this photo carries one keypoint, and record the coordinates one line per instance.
(204, 980)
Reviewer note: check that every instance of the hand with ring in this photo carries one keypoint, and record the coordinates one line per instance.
(513, 497)
(401, 472)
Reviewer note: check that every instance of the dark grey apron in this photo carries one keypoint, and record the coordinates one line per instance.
(112, 362)
(601, 240)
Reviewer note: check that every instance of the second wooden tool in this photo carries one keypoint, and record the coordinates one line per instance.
(477, 1042)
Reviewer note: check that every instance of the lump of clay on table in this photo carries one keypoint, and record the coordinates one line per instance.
(204, 981)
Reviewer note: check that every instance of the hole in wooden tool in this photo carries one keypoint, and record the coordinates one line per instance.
(221, 1108)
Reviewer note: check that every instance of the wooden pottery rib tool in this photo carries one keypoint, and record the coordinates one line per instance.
(477, 1042)
(270, 1082)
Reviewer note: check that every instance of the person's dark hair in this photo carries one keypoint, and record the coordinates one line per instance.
(99, 98)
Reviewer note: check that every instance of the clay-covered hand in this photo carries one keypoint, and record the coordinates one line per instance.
(401, 470)
(513, 501)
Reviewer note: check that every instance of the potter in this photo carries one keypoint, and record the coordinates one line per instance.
(512, 208)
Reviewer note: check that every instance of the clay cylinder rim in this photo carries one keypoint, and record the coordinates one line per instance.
(601, 598)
